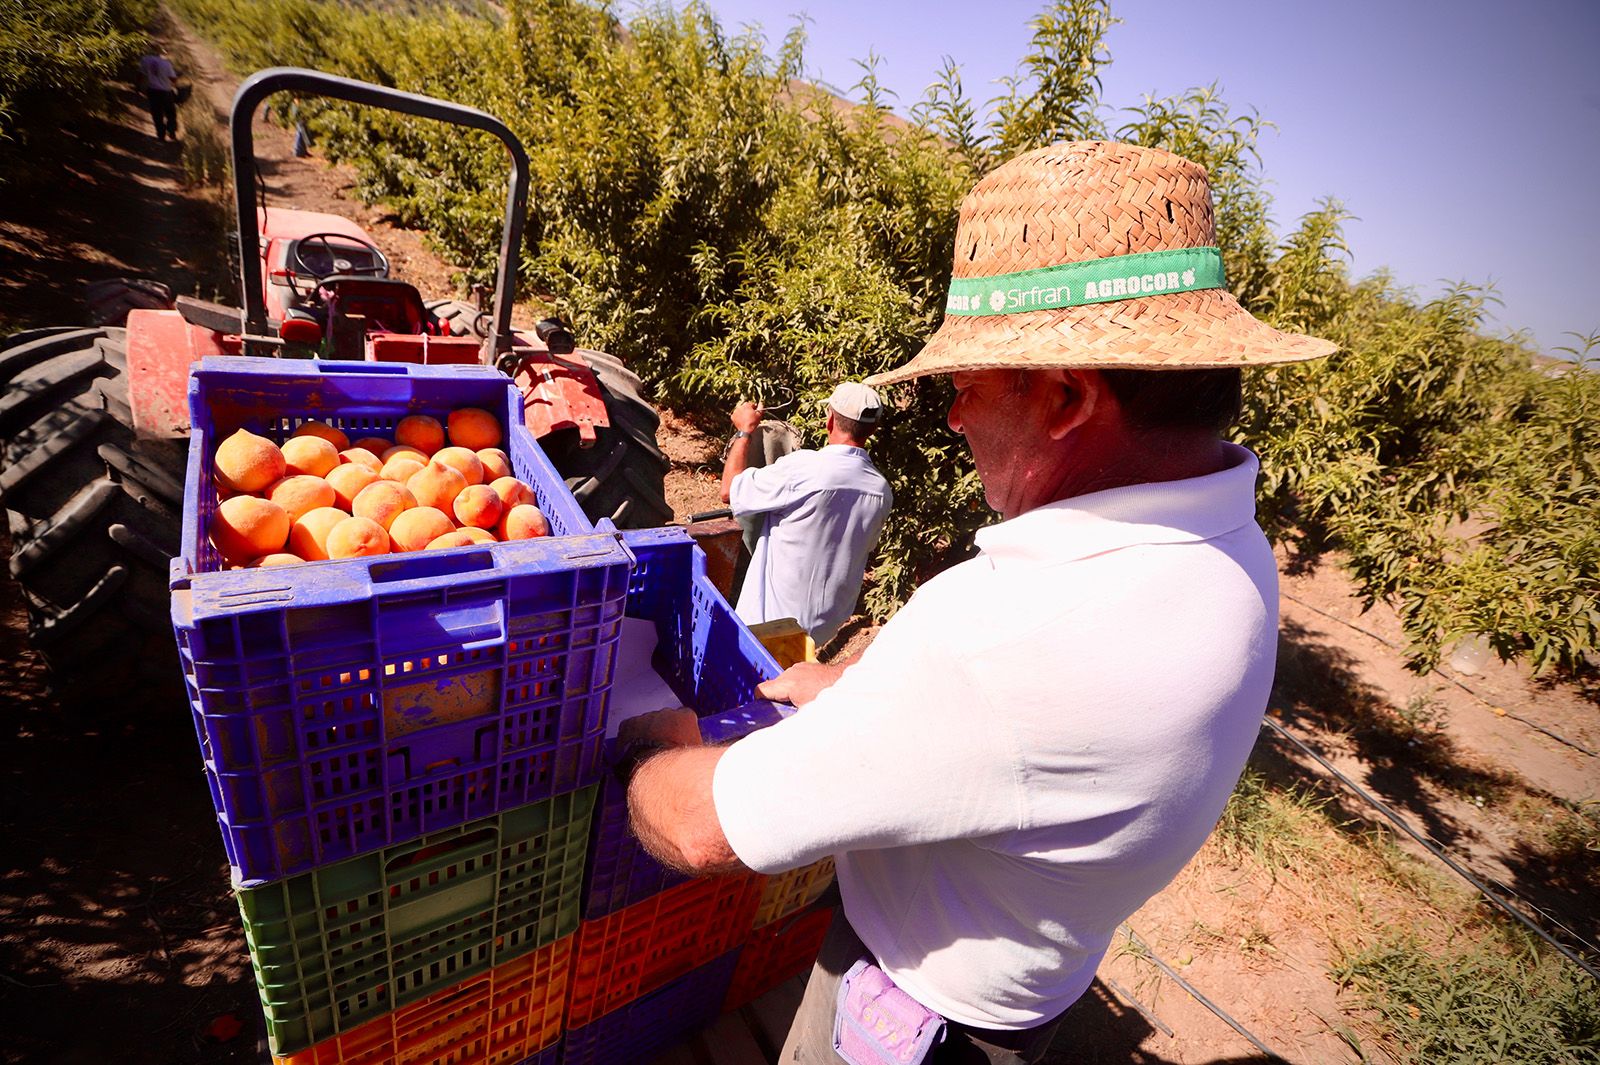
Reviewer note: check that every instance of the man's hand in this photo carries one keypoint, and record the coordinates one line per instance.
(669, 728)
(745, 417)
(800, 683)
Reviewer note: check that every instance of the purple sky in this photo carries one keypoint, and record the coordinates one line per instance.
(1465, 136)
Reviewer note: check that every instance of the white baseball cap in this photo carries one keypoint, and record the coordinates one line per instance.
(857, 402)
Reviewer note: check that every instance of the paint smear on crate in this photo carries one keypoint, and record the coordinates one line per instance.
(638, 688)
(440, 701)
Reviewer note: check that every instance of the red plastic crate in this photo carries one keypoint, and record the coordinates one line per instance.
(639, 1031)
(508, 1014)
(782, 949)
(645, 946)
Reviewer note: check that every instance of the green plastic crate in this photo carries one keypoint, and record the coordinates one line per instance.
(350, 941)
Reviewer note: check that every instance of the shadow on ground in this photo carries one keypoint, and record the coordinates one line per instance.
(54, 238)
(1100, 1029)
(119, 937)
(1413, 768)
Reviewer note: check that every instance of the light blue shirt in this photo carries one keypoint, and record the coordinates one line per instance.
(824, 512)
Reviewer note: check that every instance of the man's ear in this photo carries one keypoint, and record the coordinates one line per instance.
(1076, 395)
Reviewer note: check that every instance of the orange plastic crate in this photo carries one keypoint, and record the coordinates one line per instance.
(782, 949)
(789, 892)
(644, 946)
(505, 1015)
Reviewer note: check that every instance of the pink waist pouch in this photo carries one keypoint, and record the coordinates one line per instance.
(876, 1023)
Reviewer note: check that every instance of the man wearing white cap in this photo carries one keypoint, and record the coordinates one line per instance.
(1046, 733)
(824, 511)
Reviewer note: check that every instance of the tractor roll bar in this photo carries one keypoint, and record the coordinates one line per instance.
(295, 79)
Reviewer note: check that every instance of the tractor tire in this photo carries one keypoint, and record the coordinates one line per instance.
(110, 301)
(94, 515)
(623, 476)
(460, 317)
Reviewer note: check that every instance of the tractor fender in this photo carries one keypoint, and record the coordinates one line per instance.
(161, 347)
(560, 394)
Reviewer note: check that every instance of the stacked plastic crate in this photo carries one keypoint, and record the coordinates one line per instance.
(659, 954)
(404, 751)
(656, 951)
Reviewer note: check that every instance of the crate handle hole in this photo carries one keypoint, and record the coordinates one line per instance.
(472, 841)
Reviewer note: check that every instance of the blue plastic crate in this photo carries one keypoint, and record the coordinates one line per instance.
(636, 1033)
(344, 706)
(711, 661)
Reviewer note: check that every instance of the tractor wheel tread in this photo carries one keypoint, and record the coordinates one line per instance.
(93, 514)
(27, 354)
(28, 394)
(622, 476)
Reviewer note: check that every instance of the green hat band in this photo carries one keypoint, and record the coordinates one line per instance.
(1120, 277)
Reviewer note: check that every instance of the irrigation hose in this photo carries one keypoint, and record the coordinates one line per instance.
(1127, 996)
(1436, 850)
(1499, 710)
(1194, 993)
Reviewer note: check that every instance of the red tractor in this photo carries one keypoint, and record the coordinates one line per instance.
(93, 422)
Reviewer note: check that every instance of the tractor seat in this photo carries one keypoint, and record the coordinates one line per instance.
(388, 305)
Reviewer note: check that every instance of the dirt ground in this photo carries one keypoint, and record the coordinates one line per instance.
(120, 941)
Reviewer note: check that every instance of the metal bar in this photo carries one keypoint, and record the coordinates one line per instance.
(295, 79)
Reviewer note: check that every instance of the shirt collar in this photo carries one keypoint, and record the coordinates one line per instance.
(1162, 512)
(847, 449)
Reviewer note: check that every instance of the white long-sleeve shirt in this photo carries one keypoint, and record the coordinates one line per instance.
(824, 512)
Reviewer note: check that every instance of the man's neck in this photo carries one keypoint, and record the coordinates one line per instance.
(1149, 459)
(836, 437)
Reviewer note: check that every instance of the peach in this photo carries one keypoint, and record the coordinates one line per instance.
(301, 493)
(512, 492)
(421, 432)
(246, 462)
(436, 485)
(404, 449)
(246, 527)
(415, 529)
(348, 480)
(477, 536)
(375, 444)
(400, 468)
(357, 538)
(523, 522)
(478, 506)
(453, 538)
(383, 501)
(277, 558)
(473, 428)
(496, 464)
(361, 456)
(309, 454)
(324, 431)
(308, 536)
(462, 461)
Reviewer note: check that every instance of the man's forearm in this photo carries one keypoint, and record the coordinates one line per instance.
(673, 815)
(735, 464)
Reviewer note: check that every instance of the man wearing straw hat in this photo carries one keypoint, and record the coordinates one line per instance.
(1045, 734)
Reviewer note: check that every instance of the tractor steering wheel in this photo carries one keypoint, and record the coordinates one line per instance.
(340, 265)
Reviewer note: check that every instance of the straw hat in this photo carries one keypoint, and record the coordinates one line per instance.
(1094, 254)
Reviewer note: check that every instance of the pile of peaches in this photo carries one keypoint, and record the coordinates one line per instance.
(320, 496)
